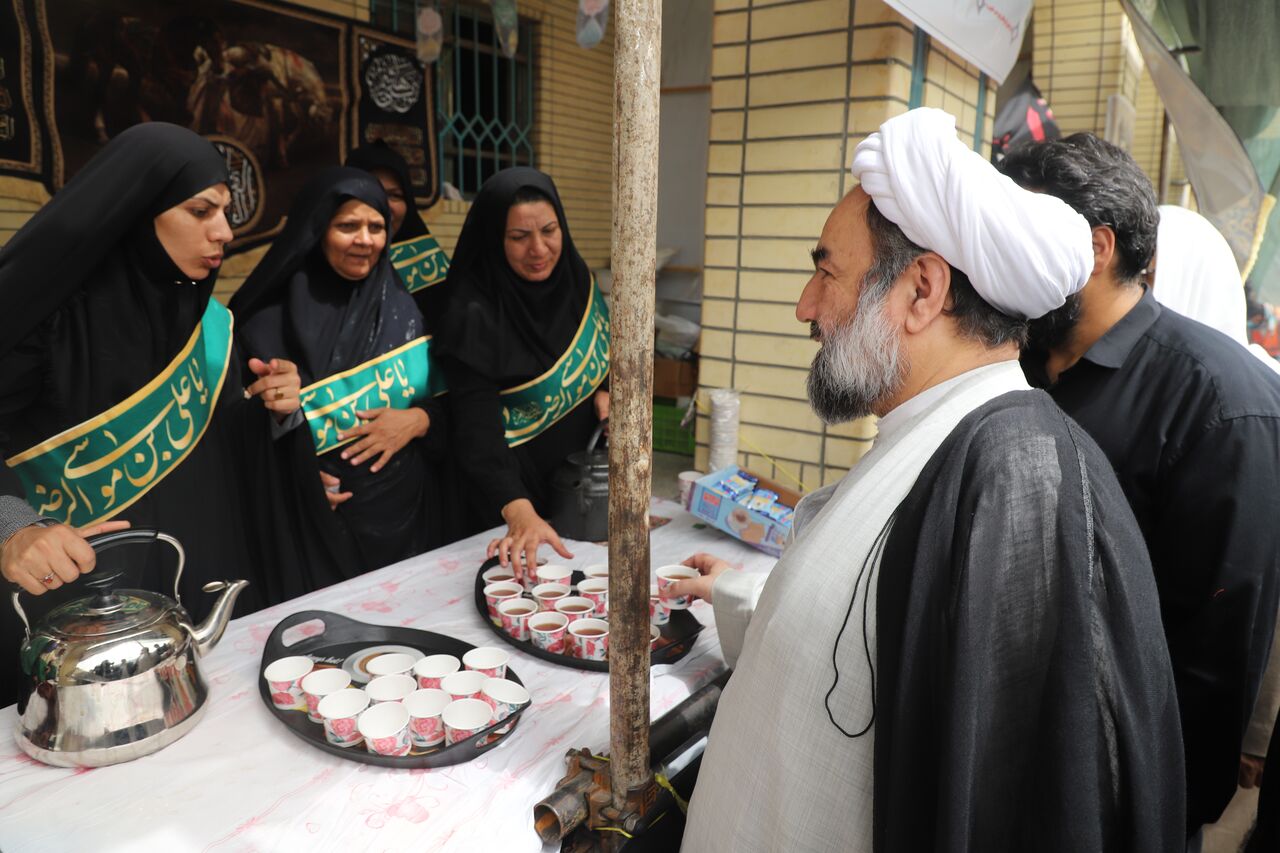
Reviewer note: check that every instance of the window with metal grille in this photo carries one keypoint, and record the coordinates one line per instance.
(486, 100)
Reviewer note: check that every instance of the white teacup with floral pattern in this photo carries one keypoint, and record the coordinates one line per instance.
(515, 617)
(424, 707)
(596, 589)
(589, 639)
(390, 688)
(463, 718)
(385, 728)
(340, 712)
(431, 669)
(284, 677)
(318, 684)
(488, 660)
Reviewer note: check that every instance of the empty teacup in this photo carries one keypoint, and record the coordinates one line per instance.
(432, 668)
(284, 676)
(390, 688)
(668, 575)
(463, 685)
(340, 712)
(504, 697)
(487, 660)
(391, 664)
(463, 718)
(385, 728)
(318, 684)
(424, 707)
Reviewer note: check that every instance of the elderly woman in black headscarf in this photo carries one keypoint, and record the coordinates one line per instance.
(416, 256)
(525, 347)
(119, 391)
(327, 297)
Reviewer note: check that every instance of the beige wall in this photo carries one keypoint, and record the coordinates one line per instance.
(795, 87)
(572, 139)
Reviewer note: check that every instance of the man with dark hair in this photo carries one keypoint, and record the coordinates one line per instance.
(1191, 423)
(961, 648)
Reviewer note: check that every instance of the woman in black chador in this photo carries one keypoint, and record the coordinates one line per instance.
(525, 347)
(120, 395)
(326, 297)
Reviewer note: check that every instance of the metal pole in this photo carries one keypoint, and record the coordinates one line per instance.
(636, 75)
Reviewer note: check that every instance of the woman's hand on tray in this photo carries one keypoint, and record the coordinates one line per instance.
(709, 567)
(526, 530)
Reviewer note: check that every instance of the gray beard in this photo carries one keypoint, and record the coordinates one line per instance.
(861, 363)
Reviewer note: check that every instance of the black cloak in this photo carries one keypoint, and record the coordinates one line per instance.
(499, 332)
(1025, 698)
(295, 306)
(91, 309)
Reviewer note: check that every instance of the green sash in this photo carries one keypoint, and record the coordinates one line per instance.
(420, 262)
(396, 379)
(93, 471)
(530, 409)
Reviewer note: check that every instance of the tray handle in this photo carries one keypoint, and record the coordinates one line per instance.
(275, 646)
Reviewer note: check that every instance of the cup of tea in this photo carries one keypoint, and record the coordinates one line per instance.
(552, 573)
(668, 575)
(463, 718)
(548, 630)
(576, 607)
(589, 639)
(424, 707)
(596, 570)
(655, 634)
(597, 590)
(498, 574)
(391, 664)
(385, 728)
(515, 614)
(432, 668)
(463, 685)
(390, 688)
(504, 697)
(284, 676)
(488, 660)
(547, 594)
(496, 593)
(340, 712)
(318, 684)
(659, 613)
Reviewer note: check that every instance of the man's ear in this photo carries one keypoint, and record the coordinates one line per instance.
(929, 280)
(1104, 248)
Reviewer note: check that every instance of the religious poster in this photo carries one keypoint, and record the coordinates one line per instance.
(987, 33)
(394, 94)
(264, 81)
(21, 139)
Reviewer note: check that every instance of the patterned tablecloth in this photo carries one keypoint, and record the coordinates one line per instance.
(241, 782)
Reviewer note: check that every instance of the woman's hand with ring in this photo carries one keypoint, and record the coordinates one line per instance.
(279, 386)
(39, 558)
(526, 530)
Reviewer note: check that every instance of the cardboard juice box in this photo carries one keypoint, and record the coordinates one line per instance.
(712, 503)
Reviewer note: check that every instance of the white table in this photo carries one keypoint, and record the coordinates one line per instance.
(240, 782)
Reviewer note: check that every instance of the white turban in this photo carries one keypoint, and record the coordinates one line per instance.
(1197, 276)
(1024, 252)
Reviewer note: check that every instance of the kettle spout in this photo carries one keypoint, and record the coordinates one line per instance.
(209, 632)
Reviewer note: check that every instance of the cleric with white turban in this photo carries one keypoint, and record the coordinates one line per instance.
(961, 648)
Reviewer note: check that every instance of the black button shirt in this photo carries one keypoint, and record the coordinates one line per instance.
(1191, 422)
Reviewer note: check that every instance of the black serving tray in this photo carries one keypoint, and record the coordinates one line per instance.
(675, 641)
(343, 637)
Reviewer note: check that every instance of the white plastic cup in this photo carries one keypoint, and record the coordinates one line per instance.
(586, 645)
(488, 660)
(496, 593)
(596, 570)
(668, 575)
(385, 728)
(390, 688)
(463, 718)
(424, 707)
(284, 676)
(340, 712)
(552, 573)
(659, 612)
(318, 684)
(687, 480)
(432, 668)
(576, 607)
(504, 697)
(463, 685)
(548, 630)
(596, 589)
(515, 615)
(391, 664)
(547, 594)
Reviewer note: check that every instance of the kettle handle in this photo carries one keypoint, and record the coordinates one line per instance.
(595, 436)
(105, 542)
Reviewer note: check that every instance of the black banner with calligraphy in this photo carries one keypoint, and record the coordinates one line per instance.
(395, 102)
(22, 142)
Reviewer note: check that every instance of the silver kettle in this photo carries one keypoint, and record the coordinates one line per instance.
(113, 676)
